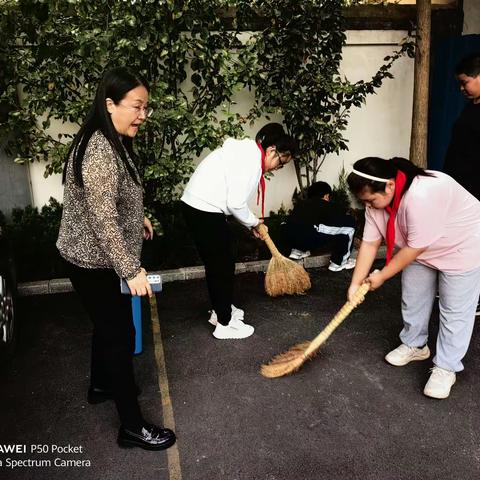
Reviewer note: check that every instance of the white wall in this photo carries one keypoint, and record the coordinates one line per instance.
(44, 188)
(471, 20)
(381, 127)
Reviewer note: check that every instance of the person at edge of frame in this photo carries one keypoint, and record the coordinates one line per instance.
(462, 161)
(435, 223)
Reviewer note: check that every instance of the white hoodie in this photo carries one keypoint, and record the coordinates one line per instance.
(226, 179)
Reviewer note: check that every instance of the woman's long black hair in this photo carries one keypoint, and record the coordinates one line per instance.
(379, 167)
(115, 84)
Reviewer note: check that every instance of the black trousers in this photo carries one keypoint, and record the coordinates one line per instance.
(213, 240)
(337, 235)
(113, 341)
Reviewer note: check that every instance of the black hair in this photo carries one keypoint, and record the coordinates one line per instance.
(115, 84)
(469, 66)
(319, 189)
(273, 134)
(387, 169)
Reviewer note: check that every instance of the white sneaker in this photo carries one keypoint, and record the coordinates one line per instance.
(299, 254)
(440, 383)
(405, 354)
(236, 313)
(348, 265)
(235, 329)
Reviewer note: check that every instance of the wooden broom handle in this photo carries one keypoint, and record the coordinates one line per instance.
(337, 319)
(262, 230)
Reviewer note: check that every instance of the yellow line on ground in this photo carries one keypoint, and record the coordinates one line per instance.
(175, 472)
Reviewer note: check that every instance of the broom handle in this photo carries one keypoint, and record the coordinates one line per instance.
(262, 230)
(337, 320)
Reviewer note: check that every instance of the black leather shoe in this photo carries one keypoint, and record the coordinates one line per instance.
(99, 395)
(150, 437)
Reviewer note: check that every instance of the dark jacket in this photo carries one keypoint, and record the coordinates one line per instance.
(462, 161)
(315, 211)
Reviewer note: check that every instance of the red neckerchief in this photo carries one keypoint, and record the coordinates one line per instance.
(261, 185)
(400, 181)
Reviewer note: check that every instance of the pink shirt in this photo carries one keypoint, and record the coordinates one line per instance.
(437, 213)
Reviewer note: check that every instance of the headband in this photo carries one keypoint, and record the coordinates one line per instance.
(370, 177)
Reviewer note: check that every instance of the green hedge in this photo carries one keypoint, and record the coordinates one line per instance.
(33, 234)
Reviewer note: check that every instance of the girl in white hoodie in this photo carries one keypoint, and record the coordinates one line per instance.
(222, 185)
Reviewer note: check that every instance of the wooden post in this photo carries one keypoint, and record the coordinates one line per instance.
(419, 136)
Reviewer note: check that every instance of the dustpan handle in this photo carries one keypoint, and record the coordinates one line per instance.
(262, 230)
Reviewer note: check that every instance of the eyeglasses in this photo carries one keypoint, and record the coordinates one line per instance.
(280, 163)
(147, 111)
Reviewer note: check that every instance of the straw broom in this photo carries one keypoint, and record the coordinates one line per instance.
(284, 276)
(291, 361)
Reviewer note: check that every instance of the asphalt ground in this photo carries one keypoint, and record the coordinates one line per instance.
(346, 414)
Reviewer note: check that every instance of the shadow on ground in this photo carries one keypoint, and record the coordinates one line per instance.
(344, 415)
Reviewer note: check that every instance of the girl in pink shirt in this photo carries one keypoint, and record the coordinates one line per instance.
(435, 224)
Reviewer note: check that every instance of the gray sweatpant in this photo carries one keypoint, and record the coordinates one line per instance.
(458, 297)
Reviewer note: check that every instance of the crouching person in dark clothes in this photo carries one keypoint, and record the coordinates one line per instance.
(316, 222)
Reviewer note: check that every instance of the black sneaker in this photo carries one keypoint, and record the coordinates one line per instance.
(477, 313)
(97, 395)
(150, 437)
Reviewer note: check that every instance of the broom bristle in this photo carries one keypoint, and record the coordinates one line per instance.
(287, 362)
(285, 277)
(291, 360)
